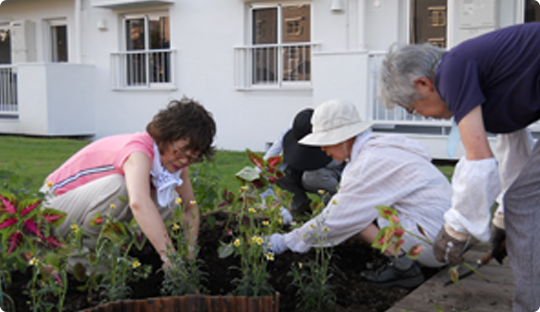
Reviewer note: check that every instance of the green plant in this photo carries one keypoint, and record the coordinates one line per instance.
(185, 275)
(27, 239)
(46, 284)
(205, 181)
(113, 244)
(314, 293)
(393, 235)
(6, 303)
(252, 223)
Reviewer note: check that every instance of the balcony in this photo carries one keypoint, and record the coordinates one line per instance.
(51, 99)
(115, 4)
(273, 66)
(8, 91)
(143, 70)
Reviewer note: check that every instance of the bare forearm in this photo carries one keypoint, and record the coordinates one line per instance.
(153, 227)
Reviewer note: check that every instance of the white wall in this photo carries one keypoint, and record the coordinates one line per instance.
(204, 34)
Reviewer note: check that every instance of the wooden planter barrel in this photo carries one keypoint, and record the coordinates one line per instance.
(193, 303)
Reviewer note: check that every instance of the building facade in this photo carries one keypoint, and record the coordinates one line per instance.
(93, 68)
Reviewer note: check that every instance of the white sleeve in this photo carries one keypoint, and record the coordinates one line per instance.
(276, 147)
(475, 185)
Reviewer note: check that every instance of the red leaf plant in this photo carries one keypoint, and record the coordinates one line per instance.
(25, 225)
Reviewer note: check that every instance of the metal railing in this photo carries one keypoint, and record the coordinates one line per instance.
(143, 69)
(273, 65)
(8, 90)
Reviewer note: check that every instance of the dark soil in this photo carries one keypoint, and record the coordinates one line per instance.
(348, 260)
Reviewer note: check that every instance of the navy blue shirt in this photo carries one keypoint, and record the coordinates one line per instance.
(500, 71)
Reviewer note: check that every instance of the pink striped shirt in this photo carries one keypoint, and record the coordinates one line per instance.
(98, 159)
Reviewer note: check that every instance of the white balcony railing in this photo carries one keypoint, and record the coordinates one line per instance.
(8, 90)
(273, 65)
(149, 69)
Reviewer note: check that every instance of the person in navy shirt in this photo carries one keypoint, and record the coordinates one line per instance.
(488, 84)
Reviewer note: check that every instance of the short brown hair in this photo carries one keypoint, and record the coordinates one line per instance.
(188, 120)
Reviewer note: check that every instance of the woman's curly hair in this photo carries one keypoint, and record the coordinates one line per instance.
(188, 120)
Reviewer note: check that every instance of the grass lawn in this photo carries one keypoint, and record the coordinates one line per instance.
(37, 157)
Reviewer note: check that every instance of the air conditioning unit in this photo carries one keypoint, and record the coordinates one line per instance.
(23, 41)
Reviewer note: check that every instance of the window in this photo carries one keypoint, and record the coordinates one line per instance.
(59, 41)
(281, 44)
(532, 11)
(147, 57)
(5, 45)
(429, 22)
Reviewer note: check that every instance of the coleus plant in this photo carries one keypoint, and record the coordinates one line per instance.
(25, 224)
(393, 234)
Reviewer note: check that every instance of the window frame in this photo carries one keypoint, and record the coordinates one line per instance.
(52, 45)
(122, 71)
(5, 27)
(281, 83)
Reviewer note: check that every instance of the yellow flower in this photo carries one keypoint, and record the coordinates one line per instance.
(176, 227)
(49, 184)
(334, 202)
(237, 242)
(193, 202)
(300, 265)
(112, 206)
(258, 240)
(280, 220)
(265, 223)
(325, 229)
(244, 188)
(136, 264)
(178, 201)
(74, 227)
(251, 210)
(270, 256)
(33, 261)
(320, 192)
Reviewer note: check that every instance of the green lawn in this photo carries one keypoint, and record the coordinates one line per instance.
(37, 157)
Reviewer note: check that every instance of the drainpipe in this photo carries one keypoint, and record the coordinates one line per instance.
(78, 35)
(362, 25)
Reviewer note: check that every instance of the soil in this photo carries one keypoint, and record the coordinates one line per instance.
(349, 259)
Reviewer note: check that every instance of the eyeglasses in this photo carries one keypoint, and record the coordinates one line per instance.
(411, 111)
(180, 154)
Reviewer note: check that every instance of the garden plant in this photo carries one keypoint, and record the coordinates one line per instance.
(122, 266)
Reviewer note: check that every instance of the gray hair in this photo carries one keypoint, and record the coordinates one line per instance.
(401, 67)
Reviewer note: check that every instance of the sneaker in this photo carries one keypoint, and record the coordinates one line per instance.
(402, 272)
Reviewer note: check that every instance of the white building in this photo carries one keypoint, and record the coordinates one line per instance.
(101, 67)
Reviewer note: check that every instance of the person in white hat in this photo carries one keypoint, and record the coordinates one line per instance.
(307, 169)
(389, 170)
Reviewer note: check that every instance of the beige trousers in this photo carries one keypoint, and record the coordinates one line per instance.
(83, 203)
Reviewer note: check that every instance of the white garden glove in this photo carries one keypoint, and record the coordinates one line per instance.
(276, 244)
(286, 215)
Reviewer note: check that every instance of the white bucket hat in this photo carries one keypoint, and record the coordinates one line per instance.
(334, 122)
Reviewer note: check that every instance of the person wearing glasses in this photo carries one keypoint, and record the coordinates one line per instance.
(488, 84)
(148, 168)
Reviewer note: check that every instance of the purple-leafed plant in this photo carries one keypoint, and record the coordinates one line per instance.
(25, 225)
(393, 234)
